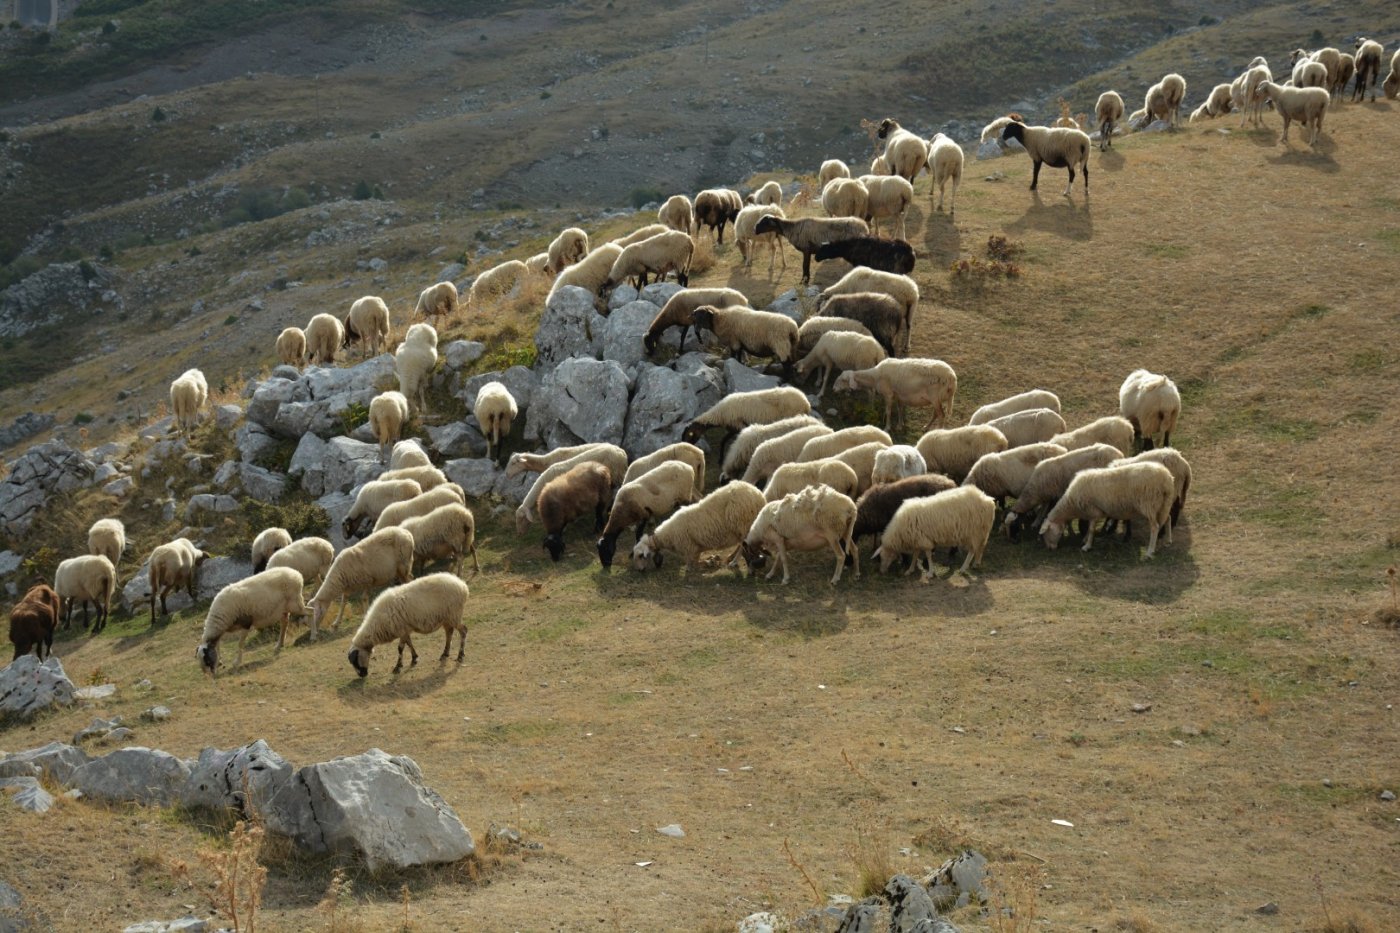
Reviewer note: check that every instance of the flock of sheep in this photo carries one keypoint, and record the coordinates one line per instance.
(788, 482)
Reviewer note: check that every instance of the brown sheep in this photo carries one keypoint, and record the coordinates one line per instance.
(33, 620)
(586, 487)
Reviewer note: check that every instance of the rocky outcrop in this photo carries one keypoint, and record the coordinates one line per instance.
(29, 686)
(41, 472)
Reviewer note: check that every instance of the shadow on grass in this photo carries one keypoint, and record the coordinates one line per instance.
(941, 238)
(1113, 568)
(1063, 217)
(1111, 161)
(409, 684)
(1318, 158)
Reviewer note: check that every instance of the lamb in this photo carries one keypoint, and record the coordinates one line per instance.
(889, 196)
(809, 233)
(861, 458)
(680, 452)
(1029, 427)
(770, 192)
(384, 557)
(590, 272)
(368, 324)
(268, 542)
(720, 520)
(1391, 85)
(840, 350)
(432, 603)
(586, 487)
(877, 505)
(324, 336)
(1152, 403)
(33, 620)
(774, 452)
(832, 168)
(845, 197)
(1137, 490)
(172, 566)
(1306, 105)
(715, 207)
(816, 517)
(679, 311)
(899, 287)
(609, 455)
(671, 251)
(414, 361)
(1035, 398)
(829, 445)
(640, 234)
(1368, 69)
(107, 537)
(738, 410)
(373, 498)
(253, 603)
(953, 451)
(397, 512)
(897, 462)
(905, 152)
(429, 477)
(945, 164)
(795, 477)
(1113, 430)
(310, 557)
(1050, 478)
(677, 213)
(812, 329)
(408, 453)
(882, 316)
(650, 495)
(538, 263)
(448, 532)
(87, 579)
(437, 301)
(1108, 110)
(188, 394)
(1176, 464)
(959, 518)
(917, 382)
(498, 282)
(1004, 474)
(1057, 147)
(388, 412)
(291, 346)
(567, 248)
(748, 241)
(495, 411)
(742, 450)
(895, 256)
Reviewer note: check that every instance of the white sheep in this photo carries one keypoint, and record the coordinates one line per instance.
(669, 251)
(609, 455)
(649, 495)
(1164, 98)
(1152, 403)
(1125, 493)
(679, 311)
(1368, 68)
(888, 198)
(1391, 86)
(498, 282)
(640, 234)
(776, 451)
(1219, 103)
(832, 168)
(681, 452)
(738, 410)
(816, 517)
(736, 460)
(720, 520)
(901, 288)
(567, 248)
(845, 197)
(495, 411)
(829, 445)
(1003, 475)
(325, 335)
(268, 542)
(291, 346)
(1029, 427)
(90, 578)
(677, 213)
(107, 537)
(880, 315)
(906, 153)
(861, 458)
(770, 193)
(368, 323)
(1251, 102)
(388, 413)
(188, 394)
(414, 361)
(1113, 430)
(1176, 464)
(1306, 105)
(945, 164)
(1108, 110)
(1057, 147)
(310, 557)
(250, 604)
(429, 477)
(433, 603)
(749, 241)
(439, 300)
(396, 512)
(373, 498)
(916, 382)
(879, 165)
(959, 518)
(795, 477)
(897, 462)
(385, 557)
(1025, 401)
(448, 532)
(840, 350)
(173, 565)
(538, 264)
(1049, 480)
(1308, 73)
(953, 451)
(408, 453)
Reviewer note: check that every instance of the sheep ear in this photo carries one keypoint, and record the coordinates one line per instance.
(657, 559)
(1044, 525)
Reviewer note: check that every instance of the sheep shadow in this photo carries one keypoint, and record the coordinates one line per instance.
(1319, 158)
(382, 685)
(942, 241)
(1110, 161)
(1113, 569)
(1065, 218)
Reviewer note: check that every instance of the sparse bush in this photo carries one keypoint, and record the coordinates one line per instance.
(109, 27)
(1207, 20)
(643, 196)
(231, 320)
(1317, 38)
(83, 417)
(354, 415)
(106, 253)
(999, 247)
(362, 192)
(87, 270)
(158, 115)
(545, 95)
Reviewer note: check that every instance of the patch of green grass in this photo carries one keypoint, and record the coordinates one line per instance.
(1368, 361)
(1257, 421)
(1314, 311)
(1168, 658)
(557, 628)
(1167, 250)
(1390, 238)
(628, 697)
(700, 658)
(1238, 624)
(520, 732)
(1288, 507)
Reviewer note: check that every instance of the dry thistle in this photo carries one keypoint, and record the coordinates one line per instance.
(238, 878)
(792, 860)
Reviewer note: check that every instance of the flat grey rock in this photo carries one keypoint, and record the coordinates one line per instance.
(29, 686)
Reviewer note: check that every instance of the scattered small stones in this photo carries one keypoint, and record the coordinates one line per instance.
(1387, 795)
(95, 692)
(156, 714)
(672, 829)
(1141, 707)
(1268, 910)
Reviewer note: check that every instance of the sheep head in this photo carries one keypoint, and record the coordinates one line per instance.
(887, 126)
(692, 432)
(1014, 130)
(646, 555)
(755, 555)
(208, 656)
(846, 382)
(607, 550)
(359, 660)
(554, 544)
(1051, 532)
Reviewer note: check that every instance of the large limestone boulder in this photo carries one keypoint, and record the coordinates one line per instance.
(56, 761)
(29, 686)
(581, 400)
(665, 401)
(43, 470)
(134, 775)
(253, 781)
(570, 326)
(622, 337)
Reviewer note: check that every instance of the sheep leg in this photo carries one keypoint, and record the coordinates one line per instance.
(85, 614)
(1070, 186)
(1035, 175)
(1089, 537)
(238, 656)
(476, 564)
(806, 265)
(928, 570)
(448, 646)
(1152, 538)
(461, 642)
(840, 561)
(889, 406)
(826, 375)
(782, 559)
(339, 612)
(967, 563)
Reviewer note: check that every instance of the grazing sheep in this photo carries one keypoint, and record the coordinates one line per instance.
(253, 603)
(897, 462)
(679, 311)
(1331, 59)
(373, 498)
(770, 192)
(720, 520)
(1306, 105)
(959, 518)
(861, 458)
(268, 542)
(172, 566)
(774, 452)
(1113, 430)
(397, 512)
(677, 213)
(1108, 110)
(1179, 468)
(408, 453)
(1346, 69)
(107, 537)
(1219, 103)
(841, 350)
(1035, 398)
(953, 451)
(905, 152)
(188, 394)
(715, 207)
(367, 323)
(291, 346)
(448, 532)
(747, 442)
(795, 477)
(33, 620)
(1029, 427)
(388, 413)
(845, 197)
(586, 487)
(429, 477)
(537, 463)
(826, 446)
(670, 251)
(889, 198)
(832, 168)
(1368, 68)
(1049, 480)
(680, 452)
(1152, 404)
(87, 579)
(895, 256)
(816, 517)
(1165, 103)
(324, 336)
(809, 233)
(498, 282)
(899, 287)
(430, 604)
(1309, 73)
(590, 272)
(609, 455)
(993, 130)
(882, 316)
(1004, 474)
(877, 505)
(738, 410)
(945, 164)
(537, 264)
(1056, 147)
(1251, 102)
(495, 411)
(638, 235)
(310, 557)
(656, 492)
(812, 329)
(748, 241)
(1392, 80)
(385, 557)
(414, 361)
(917, 382)
(437, 301)
(1137, 490)
(567, 248)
